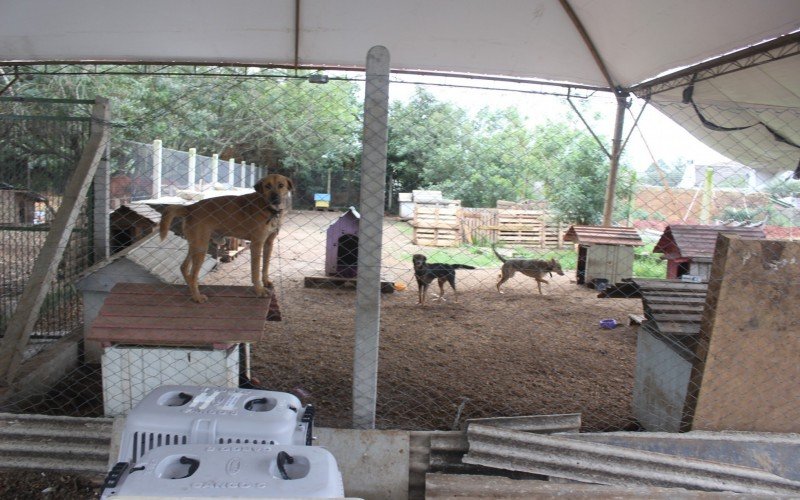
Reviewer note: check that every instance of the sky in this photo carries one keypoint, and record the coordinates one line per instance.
(656, 138)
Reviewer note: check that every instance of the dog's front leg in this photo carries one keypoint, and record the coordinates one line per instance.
(267, 256)
(191, 272)
(256, 248)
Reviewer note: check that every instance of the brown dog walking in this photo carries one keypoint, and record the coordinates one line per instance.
(256, 217)
(534, 268)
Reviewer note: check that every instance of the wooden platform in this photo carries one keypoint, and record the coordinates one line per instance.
(164, 315)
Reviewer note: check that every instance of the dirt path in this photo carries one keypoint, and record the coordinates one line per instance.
(511, 354)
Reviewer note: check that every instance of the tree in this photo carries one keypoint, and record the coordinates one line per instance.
(284, 124)
(428, 141)
(575, 172)
(664, 174)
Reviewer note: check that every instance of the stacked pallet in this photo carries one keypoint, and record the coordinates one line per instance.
(528, 228)
(437, 225)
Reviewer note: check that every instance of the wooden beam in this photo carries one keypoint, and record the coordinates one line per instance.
(46, 264)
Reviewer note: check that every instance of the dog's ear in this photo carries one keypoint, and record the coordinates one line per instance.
(289, 184)
(259, 186)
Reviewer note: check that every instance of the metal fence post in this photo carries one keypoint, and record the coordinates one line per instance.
(231, 170)
(368, 283)
(100, 219)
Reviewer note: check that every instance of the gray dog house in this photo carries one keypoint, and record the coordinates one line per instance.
(341, 254)
(149, 260)
(604, 253)
(665, 351)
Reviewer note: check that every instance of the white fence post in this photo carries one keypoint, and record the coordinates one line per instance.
(368, 282)
(157, 168)
(231, 169)
(192, 165)
(214, 170)
(242, 176)
(252, 174)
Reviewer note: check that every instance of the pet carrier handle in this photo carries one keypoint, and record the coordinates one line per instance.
(115, 474)
(308, 419)
(185, 398)
(283, 459)
(249, 405)
(192, 463)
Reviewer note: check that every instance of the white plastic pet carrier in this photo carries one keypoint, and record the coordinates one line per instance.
(178, 415)
(228, 471)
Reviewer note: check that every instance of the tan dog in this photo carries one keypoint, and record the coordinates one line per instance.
(256, 217)
(534, 268)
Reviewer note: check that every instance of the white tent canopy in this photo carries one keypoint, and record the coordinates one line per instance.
(635, 40)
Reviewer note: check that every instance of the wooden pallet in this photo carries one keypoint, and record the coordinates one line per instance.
(528, 228)
(436, 225)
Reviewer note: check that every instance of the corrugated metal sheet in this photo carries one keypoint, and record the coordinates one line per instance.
(673, 308)
(57, 444)
(598, 235)
(442, 451)
(561, 456)
(460, 486)
(693, 241)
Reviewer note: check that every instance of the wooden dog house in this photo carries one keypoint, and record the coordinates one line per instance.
(130, 223)
(689, 249)
(341, 254)
(605, 254)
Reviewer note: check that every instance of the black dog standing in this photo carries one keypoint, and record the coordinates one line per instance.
(425, 274)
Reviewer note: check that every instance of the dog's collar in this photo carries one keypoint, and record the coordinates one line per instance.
(274, 214)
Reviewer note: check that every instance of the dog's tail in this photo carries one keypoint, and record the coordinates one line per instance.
(462, 266)
(498, 255)
(170, 213)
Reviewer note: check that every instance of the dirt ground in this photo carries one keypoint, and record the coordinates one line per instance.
(19, 485)
(482, 355)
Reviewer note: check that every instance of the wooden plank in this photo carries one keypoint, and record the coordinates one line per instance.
(678, 329)
(138, 313)
(45, 267)
(183, 300)
(136, 336)
(747, 371)
(171, 324)
(675, 299)
(677, 318)
(182, 290)
(139, 310)
(674, 308)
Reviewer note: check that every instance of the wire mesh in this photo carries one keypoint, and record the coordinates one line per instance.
(40, 142)
(484, 183)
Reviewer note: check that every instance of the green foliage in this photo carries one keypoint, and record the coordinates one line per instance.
(282, 123)
(575, 172)
(783, 186)
(287, 125)
(647, 264)
(496, 155)
(483, 256)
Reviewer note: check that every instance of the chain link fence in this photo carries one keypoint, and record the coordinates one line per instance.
(614, 323)
(41, 141)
